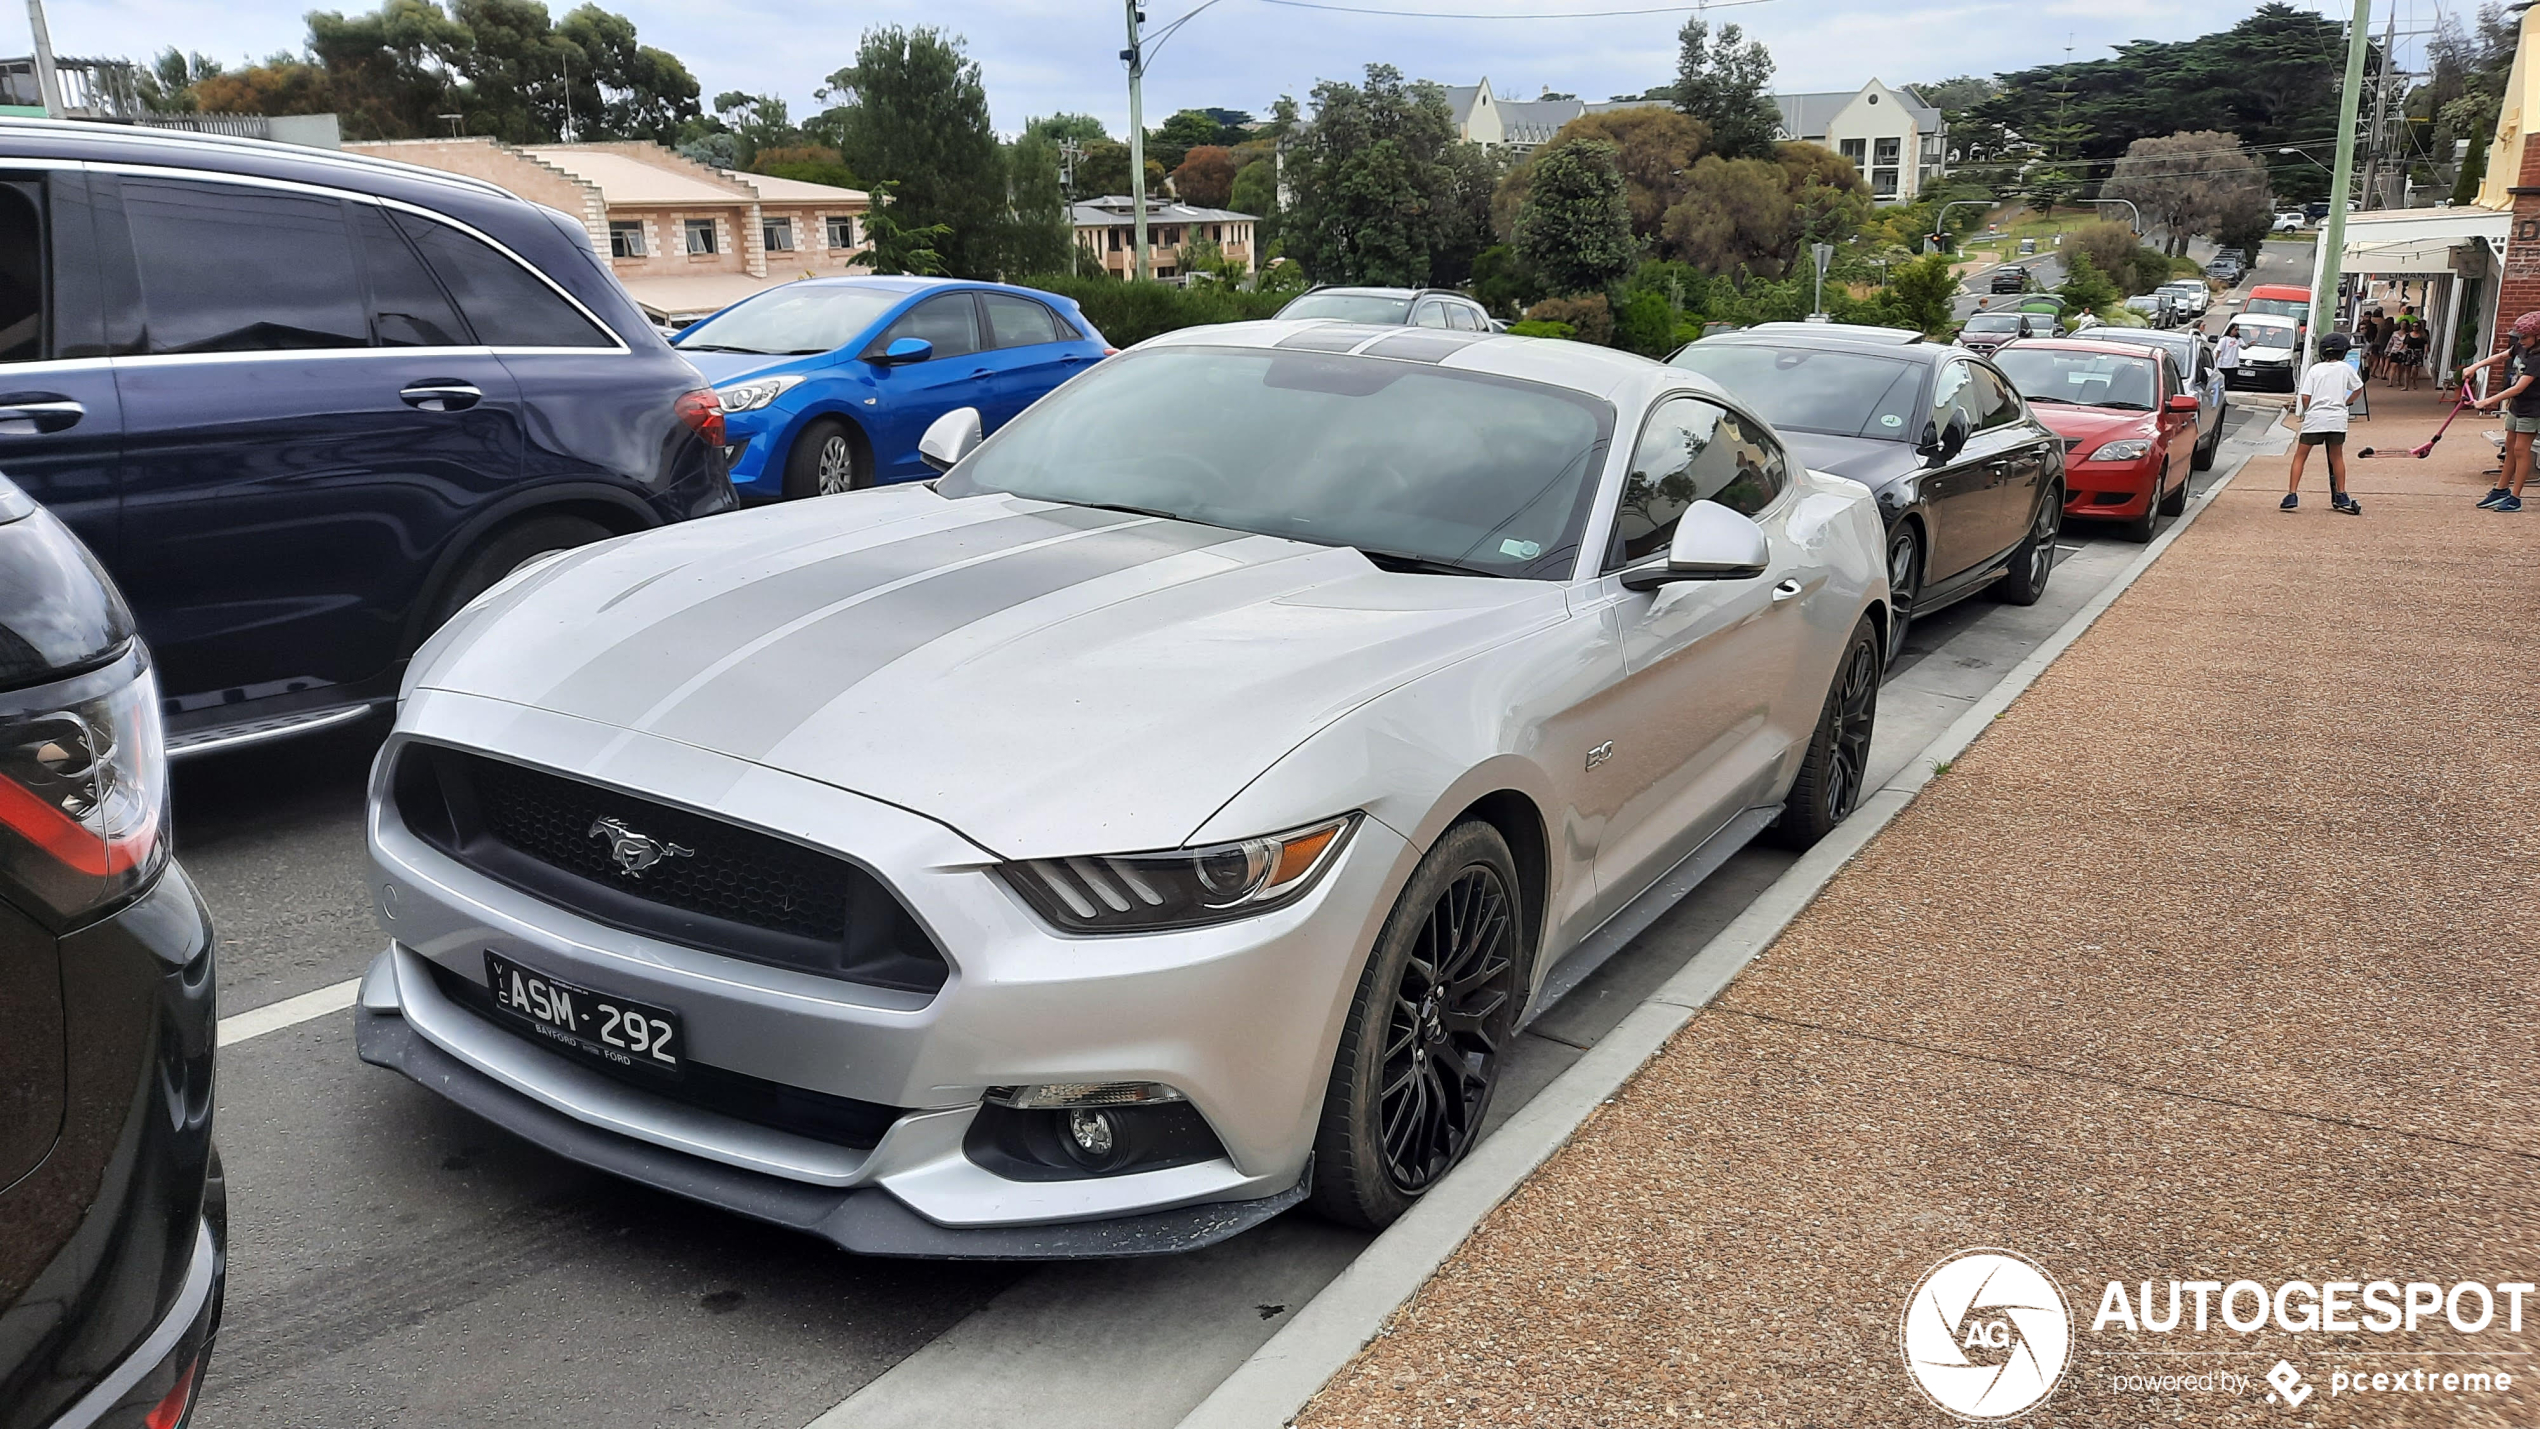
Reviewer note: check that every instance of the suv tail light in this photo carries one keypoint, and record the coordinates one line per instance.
(83, 790)
(700, 411)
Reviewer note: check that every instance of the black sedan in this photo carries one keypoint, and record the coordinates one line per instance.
(2008, 279)
(1969, 482)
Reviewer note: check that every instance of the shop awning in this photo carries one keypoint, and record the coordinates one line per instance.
(2419, 240)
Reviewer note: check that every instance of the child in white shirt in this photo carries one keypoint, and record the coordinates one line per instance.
(2322, 403)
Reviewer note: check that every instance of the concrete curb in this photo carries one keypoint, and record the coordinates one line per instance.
(1268, 1389)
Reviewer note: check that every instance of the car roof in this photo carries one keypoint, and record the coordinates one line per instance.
(1853, 332)
(2082, 344)
(1362, 290)
(1582, 367)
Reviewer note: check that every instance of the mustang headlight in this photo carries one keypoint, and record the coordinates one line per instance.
(2131, 449)
(1178, 888)
(756, 393)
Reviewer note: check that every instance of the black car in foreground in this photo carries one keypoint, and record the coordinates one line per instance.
(1969, 482)
(304, 405)
(113, 1224)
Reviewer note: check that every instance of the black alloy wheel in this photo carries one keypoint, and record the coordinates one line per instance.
(1904, 586)
(1833, 775)
(1426, 1038)
(1443, 1039)
(2033, 561)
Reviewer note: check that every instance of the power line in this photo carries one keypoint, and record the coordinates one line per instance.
(1476, 15)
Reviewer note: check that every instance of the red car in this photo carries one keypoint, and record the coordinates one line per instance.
(2127, 420)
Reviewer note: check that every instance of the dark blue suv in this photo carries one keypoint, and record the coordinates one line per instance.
(305, 406)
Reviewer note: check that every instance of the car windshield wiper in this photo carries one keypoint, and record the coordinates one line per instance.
(1130, 510)
(717, 347)
(2058, 401)
(1421, 565)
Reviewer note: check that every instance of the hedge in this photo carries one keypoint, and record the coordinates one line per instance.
(1131, 312)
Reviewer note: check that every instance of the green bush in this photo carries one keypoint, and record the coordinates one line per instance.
(1590, 319)
(1645, 325)
(1130, 313)
(1531, 328)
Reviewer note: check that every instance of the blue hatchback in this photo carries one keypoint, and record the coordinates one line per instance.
(828, 383)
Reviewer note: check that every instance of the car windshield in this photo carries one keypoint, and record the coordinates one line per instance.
(2281, 307)
(1993, 322)
(2176, 345)
(1349, 307)
(1810, 389)
(2264, 334)
(2082, 379)
(800, 318)
(1423, 468)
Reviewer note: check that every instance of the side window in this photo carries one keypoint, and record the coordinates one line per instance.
(238, 269)
(407, 308)
(508, 305)
(1692, 450)
(1460, 318)
(951, 322)
(1018, 322)
(21, 277)
(1996, 404)
(1429, 314)
(1954, 394)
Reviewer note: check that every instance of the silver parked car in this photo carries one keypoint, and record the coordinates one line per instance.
(1167, 816)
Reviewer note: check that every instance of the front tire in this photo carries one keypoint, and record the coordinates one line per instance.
(1837, 764)
(824, 461)
(1427, 1034)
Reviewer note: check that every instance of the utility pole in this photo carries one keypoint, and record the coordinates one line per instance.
(1135, 57)
(1069, 151)
(2329, 262)
(48, 80)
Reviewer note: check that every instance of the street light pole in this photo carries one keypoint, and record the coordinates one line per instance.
(1138, 143)
(2330, 258)
(48, 80)
(2130, 208)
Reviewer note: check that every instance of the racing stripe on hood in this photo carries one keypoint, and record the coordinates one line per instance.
(752, 706)
(650, 663)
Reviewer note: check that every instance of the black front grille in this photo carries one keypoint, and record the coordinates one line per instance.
(841, 1121)
(695, 879)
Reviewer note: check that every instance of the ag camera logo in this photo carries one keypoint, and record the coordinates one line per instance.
(1986, 1334)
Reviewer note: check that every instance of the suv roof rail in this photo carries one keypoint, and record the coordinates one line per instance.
(138, 134)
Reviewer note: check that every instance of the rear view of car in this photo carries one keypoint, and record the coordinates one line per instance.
(306, 405)
(112, 1214)
(827, 384)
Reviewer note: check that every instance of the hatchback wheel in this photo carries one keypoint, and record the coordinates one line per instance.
(824, 462)
(1829, 786)
(1427, 1034)
(1904, 586)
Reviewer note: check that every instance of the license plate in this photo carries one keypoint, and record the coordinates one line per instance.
(577, 1019)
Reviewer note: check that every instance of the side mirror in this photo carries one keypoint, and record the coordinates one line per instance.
(902, 351)
(949, 437)
(1712, 543)
(1953, 440)
(2183, 403)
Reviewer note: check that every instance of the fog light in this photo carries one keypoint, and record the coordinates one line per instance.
(1092, 1132)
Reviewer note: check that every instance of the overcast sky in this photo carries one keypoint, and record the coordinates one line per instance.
(1045, 55)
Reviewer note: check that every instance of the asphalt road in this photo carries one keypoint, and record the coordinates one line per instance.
(394, 1261)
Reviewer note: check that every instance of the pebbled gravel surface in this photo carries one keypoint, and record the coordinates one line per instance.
(2214, 959)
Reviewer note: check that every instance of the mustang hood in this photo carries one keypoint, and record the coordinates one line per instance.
(1045, 679)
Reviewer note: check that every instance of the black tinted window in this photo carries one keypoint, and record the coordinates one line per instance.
(236, 269)
(1691, 451)
(21, 278)
(1804, 389)
(1996, 404)
(951, 322)
(1018, 322)
(508, 305)
(407, 308)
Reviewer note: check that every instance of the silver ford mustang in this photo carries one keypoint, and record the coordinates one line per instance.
(1167, 816)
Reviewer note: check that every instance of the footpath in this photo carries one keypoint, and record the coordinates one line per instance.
(2213, 959)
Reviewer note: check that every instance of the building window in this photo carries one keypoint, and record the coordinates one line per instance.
(1115, 240)
(626, 238)
(700, 235)
(1887, 152)
(1857, 151)
(1882, 183)
(841, 231)
(1172, 236)
(777, 234)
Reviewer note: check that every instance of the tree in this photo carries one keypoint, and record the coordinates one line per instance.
(1037, 231)
(1734, 218)
(911, 113)
(895, 247)
(2085, 288)
(1654, 147)
(760, 121)
(1206, 176)
(1256, 192)
(2185, 183)
(808, 163)
(1829, 199)
(1383, 192)
(167, 83)
(1186, 130)
(1575, 230)
(1924, 293)
(1502, 282)
(1058, 128)
(1728, 86)
(1104, 169)
(1950, 96)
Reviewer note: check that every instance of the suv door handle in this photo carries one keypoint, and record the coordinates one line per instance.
(440, 395)
(27, 414)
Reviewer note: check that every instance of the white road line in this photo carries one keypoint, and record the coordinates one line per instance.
(290, 1012)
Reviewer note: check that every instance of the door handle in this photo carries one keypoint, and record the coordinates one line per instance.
(1787, 590)
(983, 374)
(440, 395)
(34, 412)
